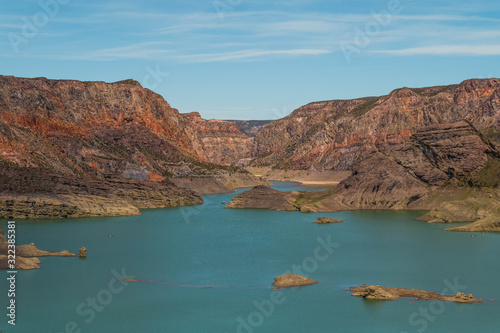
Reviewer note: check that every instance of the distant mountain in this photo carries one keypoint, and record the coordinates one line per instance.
(333, 135)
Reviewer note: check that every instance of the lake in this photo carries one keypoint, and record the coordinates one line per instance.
(237, 254)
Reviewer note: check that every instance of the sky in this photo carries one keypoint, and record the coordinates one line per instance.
(253, 59)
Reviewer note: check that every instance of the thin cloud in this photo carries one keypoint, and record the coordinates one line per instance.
(251, 54)
(149, 50)
(467, 50)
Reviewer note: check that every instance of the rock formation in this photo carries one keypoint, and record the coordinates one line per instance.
(328, 220)
(82, 253)
(32, 251)
(292, 280)
(391, 293)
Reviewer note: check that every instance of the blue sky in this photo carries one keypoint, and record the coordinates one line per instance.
(261, 59)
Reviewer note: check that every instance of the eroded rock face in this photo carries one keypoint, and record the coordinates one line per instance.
(380, 182)
(263, 197)
(37, 193)
(398, 176)
(335, 134)
(217, 141)
(47, 120)
(292, 280)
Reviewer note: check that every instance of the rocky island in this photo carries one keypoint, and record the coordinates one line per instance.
(292, 280)
(27, 255)
(328, 220)
(391, 293)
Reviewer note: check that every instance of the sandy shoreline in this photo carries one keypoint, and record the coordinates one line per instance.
(317, 183)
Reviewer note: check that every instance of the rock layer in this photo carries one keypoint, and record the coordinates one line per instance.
(37, 193)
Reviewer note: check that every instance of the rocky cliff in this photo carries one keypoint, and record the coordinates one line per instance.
(333, 135)
(71, 149)
(217, 141)
(96, 128)
(456, 155)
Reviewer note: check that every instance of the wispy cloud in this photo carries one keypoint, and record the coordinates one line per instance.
(147, 50)
(250, 54)
(257, 35)
(466, 50)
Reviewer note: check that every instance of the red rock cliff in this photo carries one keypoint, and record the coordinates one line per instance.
(334, 134)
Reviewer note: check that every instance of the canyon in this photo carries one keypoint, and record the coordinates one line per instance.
(79, 149)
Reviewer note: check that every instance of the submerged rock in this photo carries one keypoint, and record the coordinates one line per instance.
(391, 293)
(328, 220)
(292, 280)
(32, 251)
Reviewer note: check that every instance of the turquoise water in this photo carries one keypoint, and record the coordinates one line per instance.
(238, 253)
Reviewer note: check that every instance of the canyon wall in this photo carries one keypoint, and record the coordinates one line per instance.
(332, 135)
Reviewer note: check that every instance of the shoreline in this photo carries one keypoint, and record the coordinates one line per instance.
(317, 183)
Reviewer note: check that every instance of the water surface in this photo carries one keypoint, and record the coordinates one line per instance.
(238, 253)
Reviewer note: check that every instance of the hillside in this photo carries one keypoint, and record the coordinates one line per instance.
(119, 137)
(333, 135)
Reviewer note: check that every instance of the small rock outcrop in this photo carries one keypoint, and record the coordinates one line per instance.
(292, 280)
(392, 293)
(83, 252)
(328, 220)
